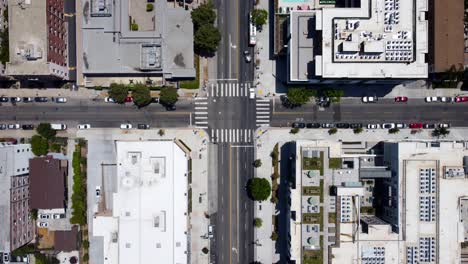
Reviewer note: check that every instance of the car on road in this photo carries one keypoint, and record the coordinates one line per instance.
(3, 126)
(58, 126)
(369, 99)
(84, 126)
(323, 101)
(445, 99)
(28, 99)
(461, 99)
(429, 126)
(443, 125)
(313, 125)
(126, 126)
(27, 127)
(373, 126)
(388, 125)
(210, 231)
(98, 191)
(247, 56)
(40, 99)
(44, 216)
(171, 108)
(14, 126)
(298, 125)
(61, 100)
(109, 99)
(57, 216)
(143, 126)
(15, 99)
(42, 224)
(416, 125)
(4, 99)
(401, 99)
(6, 257)
(155, 100)
(328, 125)
(431, 99)
(342, 125)
(355, 125)
(400, 125)
(128, 99)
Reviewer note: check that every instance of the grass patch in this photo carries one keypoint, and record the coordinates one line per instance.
(189, 200)
(314, 190)
(367, 210)
(193, 84)
(79, 190)
(315, 163)
(335, 163)
(312, 257)
(331, 217)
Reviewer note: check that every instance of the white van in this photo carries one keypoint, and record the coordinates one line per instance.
(58, 126)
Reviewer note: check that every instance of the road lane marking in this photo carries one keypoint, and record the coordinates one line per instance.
(201, 113)
(201, 122)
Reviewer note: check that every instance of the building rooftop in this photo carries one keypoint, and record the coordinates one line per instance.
(149, 217)
(66, 240)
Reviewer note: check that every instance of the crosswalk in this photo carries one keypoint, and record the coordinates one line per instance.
(262, 112)
(232, 135)
(228, 89)
(201, 112)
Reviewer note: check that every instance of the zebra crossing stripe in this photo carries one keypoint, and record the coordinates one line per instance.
(263, 100)
(263, 116)
(200, 98)
(201, 122)
(201, 107)
(201, 117)
(262, 121)
(201, 103)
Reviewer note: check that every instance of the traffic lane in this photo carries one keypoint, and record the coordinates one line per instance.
(246, 206)
(223, 235)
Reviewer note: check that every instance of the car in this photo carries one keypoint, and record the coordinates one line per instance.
(143, 126)
(210, 231)
(170, 108)
(98, 191)
(58, 126)
(6, 257)
(40, 99)
(313, 125)
(248, 58)
(128, 99)
(3, 126)
(15, 99)
(109, 99)
(461, 99)
(342, 125)
(445, 99)
(14, 126)
(56, 216)
(328, 125)
(431, 99)
(369, 99)
(61, 100)
(355, 125)
(401, 99)
(84, 126)
(388, 125)
(155, 100)
(42, 224)
(429, 126)
(400, 125)
(27, 127)
(373, 126)
(298, 125)
(28, 99)
(126, 126)
(323, 101)
(443, 125)
(44, 216)
(416, 125)
(4, 99)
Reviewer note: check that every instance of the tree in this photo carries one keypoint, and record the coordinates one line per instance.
(440, 132)
(168, 96)
(393, 130)
(205, 250)
(358, 130)
(85, 244)
(207, 38)
(45, 130)
(141, 95)
(204, 14)
(298, 96)
(294, 130)
(259, 189)
(258, 222)
(257, 163)
(149, 7)
(39, 145)
(274, 236)
(33, 214)
(85, 257)
(332, 131)
(161, 132)
(118, 92)
(259, 17)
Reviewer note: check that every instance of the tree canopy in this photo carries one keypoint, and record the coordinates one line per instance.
(168, 96)
(259, 189)
(45, 130)
(259, 17)
(440, 132)
(298, 96)
(39, 145)
(207, 38)
(141, 95)
(118, 92)
(203, 14)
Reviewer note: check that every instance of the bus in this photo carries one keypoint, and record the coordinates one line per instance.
(252, 32)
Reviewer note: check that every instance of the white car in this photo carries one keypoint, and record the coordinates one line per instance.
(44, 216)
(14, 126)
(373, 126)
(443, 125)
(98, 191)
(42, 224)
(84, 126)
(61, 100)
(369, 99)
(210, 231)
(400, 125)
(109, 100)
(126, 126)
(57, 216)
(445, 99)
(431, 99)
(388, 125)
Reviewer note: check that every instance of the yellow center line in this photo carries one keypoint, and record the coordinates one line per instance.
(230, 206)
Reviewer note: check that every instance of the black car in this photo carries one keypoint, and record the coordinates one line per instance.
(143, 126)
(40, 99)
(27, 99)
(342, 125)
(313, 125)
(15, 99)
(4, 99)
(429, 126)
(27, 127)
(3, 126)
(298, 125)
(171, 108)
(355, 125)
(328, 125)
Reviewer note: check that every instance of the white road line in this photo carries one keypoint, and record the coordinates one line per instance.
(263, 112)
(263, 100)
(212, 89)
(201, 108)
(217, 135)
(262, 104)
(237, 135)
(248, 136)
(201, 117)
(204, 127)
(222, 136)
(263, 116)
(263, 125)
(261, 108)
(245, 135)
(201, 113)
(201, 103)
(262, 121)
(200, 98)
(222, 89)
(230, 135)
(201, 122)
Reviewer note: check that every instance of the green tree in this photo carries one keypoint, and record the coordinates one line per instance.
(257, 163)
(118, 92)
(141, 95)
(161, 132)
(39, 145)
(206, 39)
(274, 236)
(258, 222)
(149, 7)
(259, 17)
(85, 244)
(393, 130)
(259, 189)
(332, 131)
(440, 132)
(298, 96)
(205, 250)
(45, 130)
(168, 96)
(294, 130)
(85, 257)
(33, 214)
(358, 130)
(204, 14)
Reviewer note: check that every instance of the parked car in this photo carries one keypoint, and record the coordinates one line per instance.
(155, 100)
(247, 56)
(210, 231)
(373, 126)
(128, 99)
(401, 99)
(40, 99)
(14, 126)
(429, 126)
(126, 126)
(58, 126)
(461, 99)
(313, 125)
(28, 99)
(323, 101)
(445, 99)
(42, 224)
(298, 125)
(4, 99)
(431, 99)
(369, 99)
(6, 257)
(342, 125)
(15, 99)
(388, 125)
(57, 216)
(84, 126)
(355, 125)
(171, 108)
(98, 191)
(400, 125)
(109, 99)
(61, 100)
(416, 125)
(328, 125)
(27, 127)
(44, 216)
(3, 126)
(143, 126)
(444, 125)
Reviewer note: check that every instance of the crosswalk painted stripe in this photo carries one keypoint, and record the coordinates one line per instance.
(201, 113)
(263, 125)
(212, 89)
(263, 100)
(204, 127)
(200, 98)
(222, 89)
(201, 103)
(262, 104)
(201, 117)
(263, 116)
(201, 122)
(201, 107)
(262, 121)
(263, 112)
(263, 108)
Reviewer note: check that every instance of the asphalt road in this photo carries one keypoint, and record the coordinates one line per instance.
(70, 11)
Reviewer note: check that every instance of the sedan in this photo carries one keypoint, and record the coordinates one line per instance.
(298, 125)
(401, 99)
(42, 224)
(313, 125)
(27, 99)
(431, 99)
(143, 126)
(445, 99)
(98, 191)
(61, 100)
(27, 127)
(84, 126)
(342, 125)
(429, 126)
(128, 99)
(4, 99)
(15, 100)
(328, 125)
(444, 125)
(14, 126)
(44, 216)
(355, 125)
(369, 99)
(126, 126)
(400, 125)
(373, 126)
(109, 99)
(3, 126)
(416, 125)
(40, 99)
(388, 125)
(170, 108)
(461, 99)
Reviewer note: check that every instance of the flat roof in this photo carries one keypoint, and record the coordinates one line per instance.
(149, 218)
(303, 33)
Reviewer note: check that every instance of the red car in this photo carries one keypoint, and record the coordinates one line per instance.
(416, 125)
(128, 99)
(460, 99)
(401, 99)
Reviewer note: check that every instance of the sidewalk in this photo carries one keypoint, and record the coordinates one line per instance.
(81, 93)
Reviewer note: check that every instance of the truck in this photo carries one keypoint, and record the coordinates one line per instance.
(58, 126)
